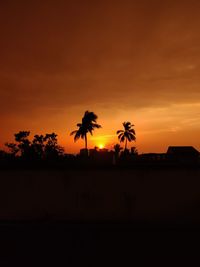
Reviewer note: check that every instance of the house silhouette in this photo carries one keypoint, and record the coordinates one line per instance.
(183, 154)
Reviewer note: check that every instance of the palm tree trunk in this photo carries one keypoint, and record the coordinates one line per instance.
(85, 141)
(125, 144)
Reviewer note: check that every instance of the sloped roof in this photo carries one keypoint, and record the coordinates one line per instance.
(182, 150)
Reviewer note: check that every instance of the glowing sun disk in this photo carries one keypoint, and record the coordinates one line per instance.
(101, 146)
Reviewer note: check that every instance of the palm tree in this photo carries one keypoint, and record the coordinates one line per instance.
(88, 125)
(128, 134)
(117, 149)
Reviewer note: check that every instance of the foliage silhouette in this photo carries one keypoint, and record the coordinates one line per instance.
(44, 151)
(23, 143)
(128, 134)
(134, 150)
(13, 148)
(38, 145)
(52, 149)
(88, 125)
(117, 149)
(41, 147)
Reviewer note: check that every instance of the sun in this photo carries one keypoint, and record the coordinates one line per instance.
(101, 146)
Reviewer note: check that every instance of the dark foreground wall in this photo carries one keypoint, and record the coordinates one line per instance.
(146, 195)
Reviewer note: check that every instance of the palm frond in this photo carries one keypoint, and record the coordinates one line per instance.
(122, 138)
(88, 125)
(131, 137)
(90, 131)
(120, 131)
(95, 125)
(74, 132)
(127, 125)
(89, 117)
(132, 131)
(120, 135)
(77, 136)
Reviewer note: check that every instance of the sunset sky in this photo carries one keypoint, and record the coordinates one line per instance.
(136, 60)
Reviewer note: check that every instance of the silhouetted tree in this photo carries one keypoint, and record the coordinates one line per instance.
(22, 136)
(128, 134)
(23, 143)
(134, 150)
(41, 146)
(13, 148)
(38, 146)
(88, 125)
(52, 149)
(117, 149)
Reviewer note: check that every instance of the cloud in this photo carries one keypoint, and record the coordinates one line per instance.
(110, 56)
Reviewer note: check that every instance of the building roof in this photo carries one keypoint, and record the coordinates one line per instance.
(189, 150)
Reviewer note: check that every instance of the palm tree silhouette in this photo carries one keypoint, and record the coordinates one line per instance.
(128, 134)
(88, 125)
(117, 149)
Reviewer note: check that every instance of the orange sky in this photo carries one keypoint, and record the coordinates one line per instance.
(124, 60)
